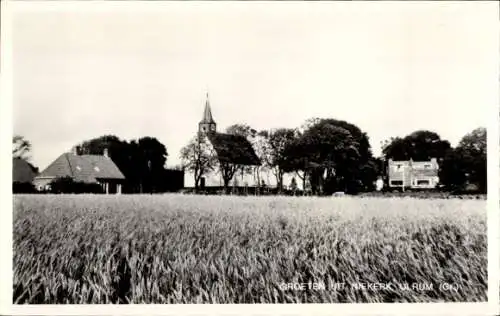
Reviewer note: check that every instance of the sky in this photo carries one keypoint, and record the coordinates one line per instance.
(391, 68)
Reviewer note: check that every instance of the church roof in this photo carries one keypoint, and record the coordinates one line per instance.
(82, 168)
(234, 149)
(207, 113)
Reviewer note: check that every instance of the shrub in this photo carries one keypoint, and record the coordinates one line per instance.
(23, 187)
(68, 185)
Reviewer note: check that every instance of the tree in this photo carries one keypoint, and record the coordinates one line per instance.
(198, 157)
(228, 169)
(295, 160)
(420, 145)
(309, 123)
(153, 157)
(250, 134)
(241, 129)
(293, 185)
(369, 172)
(452, 172)
(274, 150)
(21, 147)
(331, 150)
(473, 146)
(334, 154)
(260, 143)
(467, 162)
(475, 142)
(379, 168)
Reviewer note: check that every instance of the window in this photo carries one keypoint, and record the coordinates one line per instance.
(427, 166)
(422, 182)
(398, 167)
(396, 182)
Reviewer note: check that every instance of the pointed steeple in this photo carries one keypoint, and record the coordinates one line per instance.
(207, 114)
(207, 123)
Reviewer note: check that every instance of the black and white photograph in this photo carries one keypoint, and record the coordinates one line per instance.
(251, 152)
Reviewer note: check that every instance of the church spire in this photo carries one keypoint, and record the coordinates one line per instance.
(207, 124)
(207, 114)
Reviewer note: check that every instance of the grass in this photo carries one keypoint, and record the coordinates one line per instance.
(222, 249)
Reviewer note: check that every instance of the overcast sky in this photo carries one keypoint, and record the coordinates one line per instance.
(390, 68)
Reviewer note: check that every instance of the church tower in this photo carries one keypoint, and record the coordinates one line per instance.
(207, 123)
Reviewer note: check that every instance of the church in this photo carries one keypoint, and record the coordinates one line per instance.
(232, 149)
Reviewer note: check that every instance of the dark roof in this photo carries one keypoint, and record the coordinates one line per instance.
(234, 149)
(83, 168)
(22, 171)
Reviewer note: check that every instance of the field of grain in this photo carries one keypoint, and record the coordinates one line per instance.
(223, 249)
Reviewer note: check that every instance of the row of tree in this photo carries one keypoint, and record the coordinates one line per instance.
(335, 155)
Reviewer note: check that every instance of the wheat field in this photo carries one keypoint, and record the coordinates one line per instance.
(225, 249)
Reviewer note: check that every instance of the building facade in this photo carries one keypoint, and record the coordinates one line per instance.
(413, 174)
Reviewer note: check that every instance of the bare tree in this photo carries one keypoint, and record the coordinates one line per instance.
(198, 157)
(260, 144)
(227, 171)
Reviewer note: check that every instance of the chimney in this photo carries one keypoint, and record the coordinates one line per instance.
(105, 153)
(74, 150)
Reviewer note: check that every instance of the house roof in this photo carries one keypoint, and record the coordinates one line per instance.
(234, 149)
(83, 168)
(22, 171)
